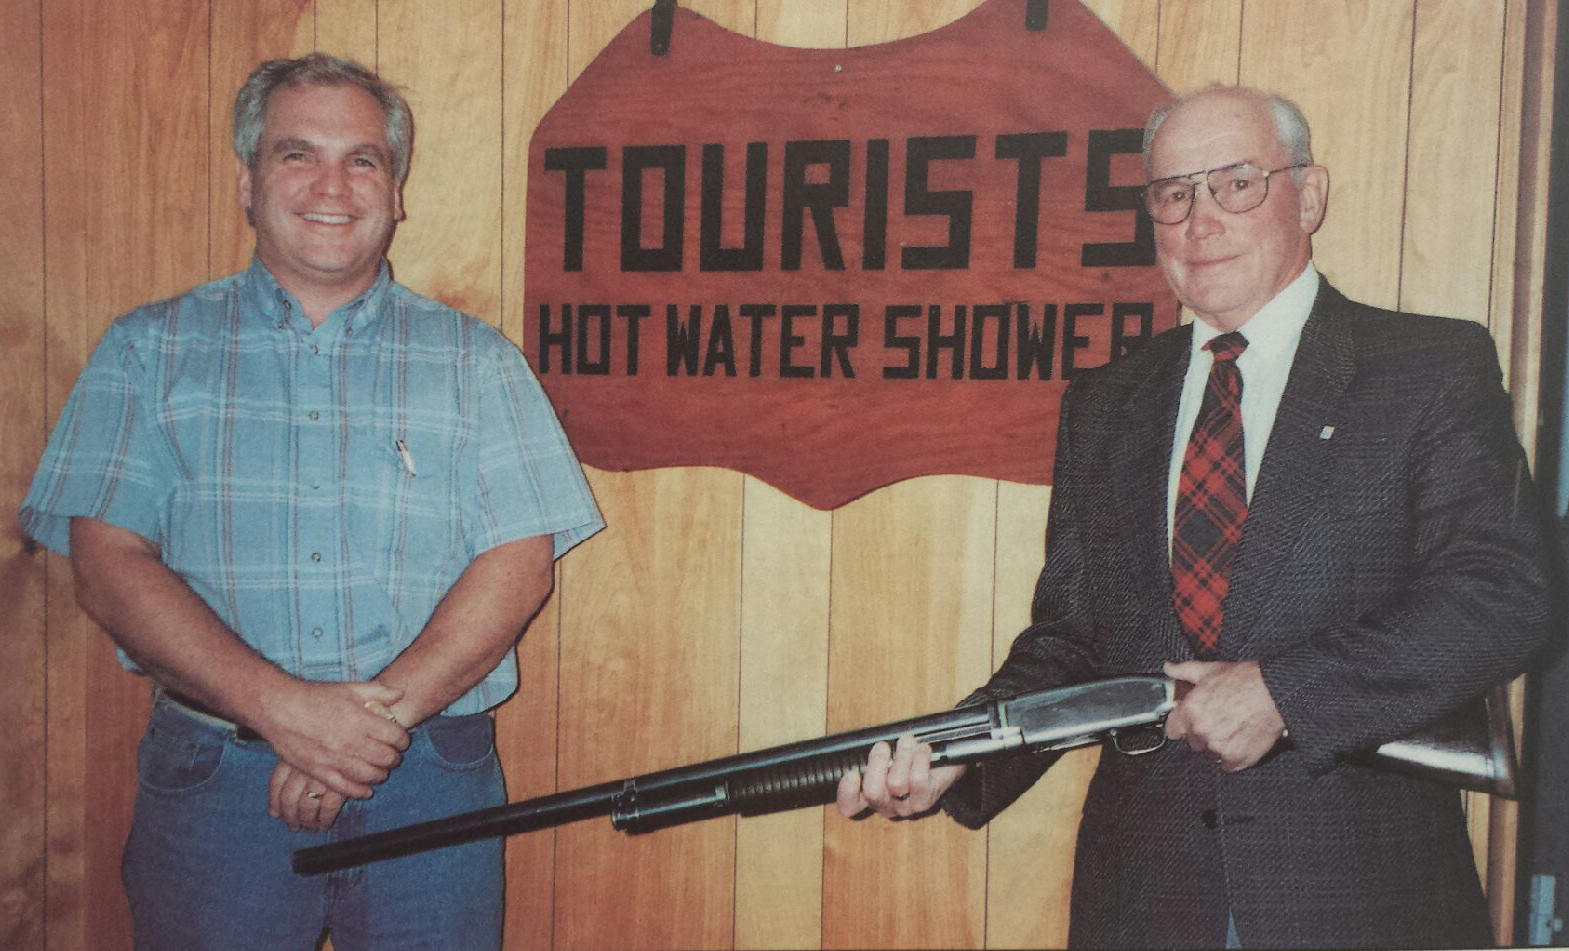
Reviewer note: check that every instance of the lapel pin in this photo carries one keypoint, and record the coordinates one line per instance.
(1326, 432)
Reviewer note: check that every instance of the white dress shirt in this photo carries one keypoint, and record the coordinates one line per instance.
(1272, 334)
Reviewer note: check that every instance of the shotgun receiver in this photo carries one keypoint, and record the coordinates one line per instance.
(799, 774)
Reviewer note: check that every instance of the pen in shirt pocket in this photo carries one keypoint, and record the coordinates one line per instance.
(405, 455)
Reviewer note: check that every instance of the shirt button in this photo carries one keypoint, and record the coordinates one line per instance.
(315, 556)
(315, 485)
(313, 415)
(317, 632)
(1210, 818)
(315, 349)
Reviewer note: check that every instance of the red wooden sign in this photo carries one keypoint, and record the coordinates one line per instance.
(836, 269)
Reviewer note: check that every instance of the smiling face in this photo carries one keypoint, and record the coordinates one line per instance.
(321, 195)
(1225, 266)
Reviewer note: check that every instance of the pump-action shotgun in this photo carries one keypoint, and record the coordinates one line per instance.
(807, 773)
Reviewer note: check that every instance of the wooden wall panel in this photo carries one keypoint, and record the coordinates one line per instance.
(68, 335)
(533, 75)
(1200, 43)
(448, 59)
(715, 614)
(243, 35)
(911, 615)
(881, 21)
(648, 681)
(1531, 31)
(127, 211)
(1446, 260)
(815, 24)
(348, 28)
(1347, 63)
(786, 552)
(23, 650)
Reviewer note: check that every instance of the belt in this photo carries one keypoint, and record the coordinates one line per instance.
(200, 711)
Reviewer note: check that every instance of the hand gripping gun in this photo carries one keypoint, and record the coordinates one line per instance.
(791, 776)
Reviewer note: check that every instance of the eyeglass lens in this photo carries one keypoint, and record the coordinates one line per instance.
(1237, 188)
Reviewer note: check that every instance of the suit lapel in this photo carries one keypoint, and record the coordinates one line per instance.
(1143, 462)
(1293, 474)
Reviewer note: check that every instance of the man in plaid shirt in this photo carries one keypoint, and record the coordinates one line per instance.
(317, 510)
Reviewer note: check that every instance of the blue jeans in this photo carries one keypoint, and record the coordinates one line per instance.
(206, 868)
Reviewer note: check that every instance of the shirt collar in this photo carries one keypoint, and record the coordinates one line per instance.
(263, 295)
(1277, 325)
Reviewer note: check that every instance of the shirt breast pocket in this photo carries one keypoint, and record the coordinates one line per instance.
(402, 488)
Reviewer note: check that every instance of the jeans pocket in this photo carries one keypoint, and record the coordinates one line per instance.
(462, 742)
(175, 763)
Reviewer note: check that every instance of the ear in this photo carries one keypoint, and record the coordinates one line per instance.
(242, 181)
(397, 203)
(1313, 197)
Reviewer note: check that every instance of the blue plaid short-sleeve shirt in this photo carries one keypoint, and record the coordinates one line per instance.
(320, 488)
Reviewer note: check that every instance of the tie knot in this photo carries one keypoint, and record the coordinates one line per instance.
(1227, 347)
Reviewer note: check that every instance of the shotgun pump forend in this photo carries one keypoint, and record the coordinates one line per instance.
(791, 776)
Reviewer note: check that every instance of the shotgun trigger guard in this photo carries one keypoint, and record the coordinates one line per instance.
(1116, 744)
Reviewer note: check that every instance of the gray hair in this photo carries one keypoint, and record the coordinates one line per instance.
(320, 69)
(1291, 127)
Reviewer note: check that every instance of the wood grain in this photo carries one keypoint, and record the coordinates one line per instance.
(533, 74)
(448, 59)
(125, 145)
(1200, 43)
(348, 28)
(649, 681)
(1347, 63)
(1524, 161)
(910, 632)
(882, 21)
(1452, 160)
(69, 334)
(23, 649)
(243, 35)
(814, 24)
(784, 697)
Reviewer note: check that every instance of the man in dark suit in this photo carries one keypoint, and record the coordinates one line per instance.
(1314, 512)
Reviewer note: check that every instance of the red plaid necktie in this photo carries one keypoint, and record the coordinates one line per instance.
(1212, 500)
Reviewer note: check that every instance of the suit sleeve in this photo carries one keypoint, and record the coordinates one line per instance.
(1476, 599)
(1055, 649)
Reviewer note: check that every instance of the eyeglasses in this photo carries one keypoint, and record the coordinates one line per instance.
(1237, 188)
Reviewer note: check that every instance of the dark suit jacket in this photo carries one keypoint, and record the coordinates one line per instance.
(1391, 568)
